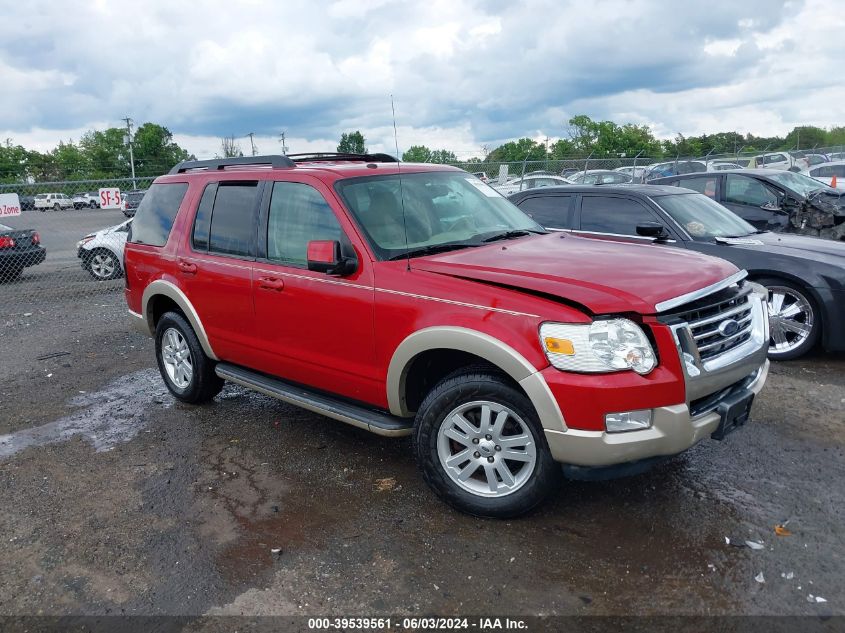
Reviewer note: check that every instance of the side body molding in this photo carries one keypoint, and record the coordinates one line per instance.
(169, 290)
(482, 345)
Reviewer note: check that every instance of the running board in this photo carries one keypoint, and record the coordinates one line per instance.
(369, 419)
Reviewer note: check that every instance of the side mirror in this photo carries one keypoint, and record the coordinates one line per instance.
(324, 257)
(653, 229)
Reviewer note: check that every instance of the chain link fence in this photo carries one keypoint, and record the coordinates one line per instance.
(63, 246)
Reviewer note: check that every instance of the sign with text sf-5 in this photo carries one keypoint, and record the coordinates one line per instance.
(109, 198)
(10, 205)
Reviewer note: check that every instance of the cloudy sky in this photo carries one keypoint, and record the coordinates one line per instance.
(463, 73)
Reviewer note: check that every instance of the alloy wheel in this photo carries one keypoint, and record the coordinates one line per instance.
(791, 319)
(177, 358)
(103, 265)
(486, 449)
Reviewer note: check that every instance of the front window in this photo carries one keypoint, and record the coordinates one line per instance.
(748, 191)
(703, 218)
(799, 183)
(440, 210)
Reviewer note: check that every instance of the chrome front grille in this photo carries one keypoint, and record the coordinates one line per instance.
(719, 328)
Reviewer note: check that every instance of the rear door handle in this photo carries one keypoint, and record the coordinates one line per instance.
(271, 283)
(187, 267)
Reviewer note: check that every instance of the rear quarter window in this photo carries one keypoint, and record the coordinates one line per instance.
(156, 213)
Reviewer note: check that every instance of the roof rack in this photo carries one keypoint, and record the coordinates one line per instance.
(276, 162)
(340, 156)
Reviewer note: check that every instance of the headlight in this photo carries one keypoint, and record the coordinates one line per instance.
(601, 346)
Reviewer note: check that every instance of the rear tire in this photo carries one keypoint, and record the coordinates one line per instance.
(186, 370)
(480, 446)
(794, 319)
(57, 207)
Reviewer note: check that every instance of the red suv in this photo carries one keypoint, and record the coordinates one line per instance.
(416, 300)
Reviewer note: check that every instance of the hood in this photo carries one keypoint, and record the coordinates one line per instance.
(605, 276)
(790, 245)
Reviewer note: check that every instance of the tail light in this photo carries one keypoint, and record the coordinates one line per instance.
(7, 242)
(36, 239)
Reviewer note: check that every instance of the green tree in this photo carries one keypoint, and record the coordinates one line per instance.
(14, 162)
(107, 152)
(417, 154)
(518, 151)
(69, 162)
(443, 156)
(155, 150)
(805, 137)
(352, 143)
(603, 138)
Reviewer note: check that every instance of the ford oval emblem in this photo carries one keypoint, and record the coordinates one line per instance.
(728, 327)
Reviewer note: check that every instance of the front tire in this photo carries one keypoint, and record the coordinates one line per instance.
(481, 447)
(103, 265)
(794, 320)
(186, 370)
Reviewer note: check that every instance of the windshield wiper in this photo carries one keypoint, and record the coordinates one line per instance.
(507, 235)
(432, 250)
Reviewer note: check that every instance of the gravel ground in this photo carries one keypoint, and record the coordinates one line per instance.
(117, 500)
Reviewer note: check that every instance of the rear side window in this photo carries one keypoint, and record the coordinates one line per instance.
(553, 212)
(707, 186)
(156, 213)
(202, 221)
(233, 219)
(618, 216)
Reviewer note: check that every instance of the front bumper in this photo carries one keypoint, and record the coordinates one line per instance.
(673, 431)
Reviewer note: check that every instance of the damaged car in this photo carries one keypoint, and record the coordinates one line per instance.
(772, 200)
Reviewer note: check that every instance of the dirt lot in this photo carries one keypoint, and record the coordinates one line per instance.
(117, 500)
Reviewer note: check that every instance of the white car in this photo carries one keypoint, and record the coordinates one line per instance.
(530, 182)
(636, 173)
(722, 165)
(101, 253)
(89, 199)
(54, 201)
(599, 177)
(779, 160)
(826, 171)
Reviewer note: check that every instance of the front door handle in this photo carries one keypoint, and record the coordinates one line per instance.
(271, 283)
(187, 267)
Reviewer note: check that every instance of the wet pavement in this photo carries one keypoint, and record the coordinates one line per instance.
(119, 500)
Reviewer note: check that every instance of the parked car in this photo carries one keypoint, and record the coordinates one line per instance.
(27, 202)
(773, 200)
(600, 177)
(87, 199)
(54, 201)
(19, 249)
(481, 175)
(778, 160)
(423, 303)
(721, 165)
(811, 160)
(636, 173)
(826, 171)
(837, 156)
(804, 276)
(529, 182)
(673, 168)
(130, 200)
(101, 253)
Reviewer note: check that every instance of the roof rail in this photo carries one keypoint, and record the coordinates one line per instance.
(276, 162)
(340, 156)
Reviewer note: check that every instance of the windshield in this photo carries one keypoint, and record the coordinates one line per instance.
(799, 183)
(441, 209)
(703, 218)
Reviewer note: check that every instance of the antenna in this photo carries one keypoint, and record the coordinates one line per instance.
(401, 190)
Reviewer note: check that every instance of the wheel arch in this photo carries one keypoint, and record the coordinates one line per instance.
(162, 293)
(474, 346)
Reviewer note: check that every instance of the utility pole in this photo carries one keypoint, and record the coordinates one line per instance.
(282, 141)
(251, 141)
(128, 140)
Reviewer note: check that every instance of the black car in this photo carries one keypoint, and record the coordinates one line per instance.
(131, 200)
(805, 276)
(27, 203)
(772, 199)
(19, 248)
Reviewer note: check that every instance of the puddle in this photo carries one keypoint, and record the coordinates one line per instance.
(111, 416)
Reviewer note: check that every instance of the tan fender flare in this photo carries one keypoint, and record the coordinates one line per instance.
(479, 344)
(160, 287)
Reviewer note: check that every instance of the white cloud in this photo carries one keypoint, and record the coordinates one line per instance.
(463, 72)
